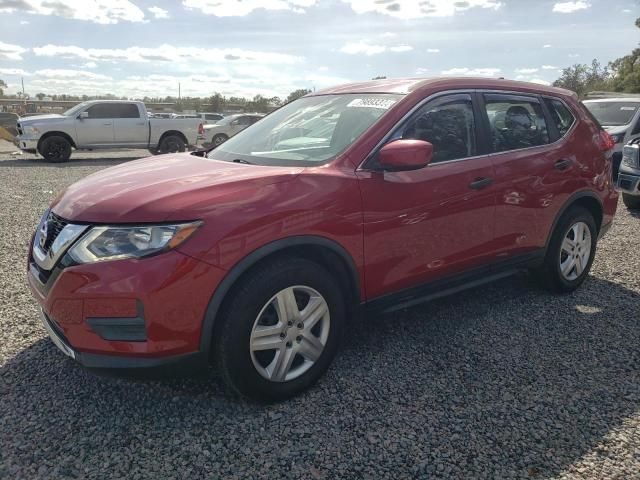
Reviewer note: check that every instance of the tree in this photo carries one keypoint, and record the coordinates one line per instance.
(2, 86)
(40, 96)
(379, 78)
(582, 78)
(217, 102)
(626, 71)
(296, 94)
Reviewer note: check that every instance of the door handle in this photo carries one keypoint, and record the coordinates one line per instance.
(562, 164)
(141, 123)
(480, 183)
(107, 124)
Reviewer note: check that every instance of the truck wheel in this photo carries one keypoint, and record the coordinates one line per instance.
(571, 251)
(631, 201)
(171, 144)
(219, 139)
(280, 329)
(55, 149)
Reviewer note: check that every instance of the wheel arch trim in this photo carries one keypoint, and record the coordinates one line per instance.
(233, 274)
(571, 201)
(56, 133)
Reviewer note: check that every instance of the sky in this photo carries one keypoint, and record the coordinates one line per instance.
(138, 48)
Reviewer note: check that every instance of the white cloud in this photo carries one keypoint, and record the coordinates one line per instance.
(549, 67)
(323, 69)
(90, 65)
(389, 35)
(433, 50)
(9, 51)
(570, 7)
(547, 45)
(163, 53)
(409, 9)
(401, 48)
(626, 10)
(364, 48)
(421, 71)
(240, 8)
(159, 12)
(71, 74)
(472, 72)
(13, 71)
(524, 78)
(526, 71)
(24, 22)
(98, 11)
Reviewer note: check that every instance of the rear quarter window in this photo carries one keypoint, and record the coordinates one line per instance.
(560, 115)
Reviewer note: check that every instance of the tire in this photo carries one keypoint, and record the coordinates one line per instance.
(246, 363)
(571, 258)
(631, 201)
(172, 144)
(55, 149)
(219, 139)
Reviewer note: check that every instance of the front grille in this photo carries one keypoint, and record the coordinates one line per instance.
(55, 224)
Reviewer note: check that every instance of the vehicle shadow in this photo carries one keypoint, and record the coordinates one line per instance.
(504, 380)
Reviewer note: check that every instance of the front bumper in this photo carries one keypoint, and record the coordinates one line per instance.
(629, 180)
(127, 313)
(27, 143)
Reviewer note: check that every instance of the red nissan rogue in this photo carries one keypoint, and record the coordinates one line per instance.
(256, 255)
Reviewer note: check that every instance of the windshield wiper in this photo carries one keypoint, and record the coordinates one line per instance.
(240, 160)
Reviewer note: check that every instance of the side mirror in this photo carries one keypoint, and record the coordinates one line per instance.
(83, 115)
(405, 155)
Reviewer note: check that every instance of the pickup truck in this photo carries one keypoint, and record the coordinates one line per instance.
(104, 124)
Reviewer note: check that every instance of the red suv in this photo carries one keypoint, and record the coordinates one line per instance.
(383, 194)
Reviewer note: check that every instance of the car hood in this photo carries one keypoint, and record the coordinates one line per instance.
(41, 119)
(160, 188)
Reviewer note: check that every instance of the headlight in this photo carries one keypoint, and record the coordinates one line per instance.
(29, 130)
(618, 137)
(115, 243)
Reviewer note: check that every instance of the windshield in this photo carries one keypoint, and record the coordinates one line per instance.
(613, 114)
(307, 131)
(73, 110)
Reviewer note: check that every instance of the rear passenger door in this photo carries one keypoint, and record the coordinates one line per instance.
(534, 168)
(420, 225)
(130, 127)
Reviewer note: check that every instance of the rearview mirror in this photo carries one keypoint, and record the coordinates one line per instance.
(405, 155)
(83, 115)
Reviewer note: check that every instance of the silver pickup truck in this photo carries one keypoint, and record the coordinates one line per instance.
(104, 124)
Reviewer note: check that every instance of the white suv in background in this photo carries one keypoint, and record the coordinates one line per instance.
(220, 132)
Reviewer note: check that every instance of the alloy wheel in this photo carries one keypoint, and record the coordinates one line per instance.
(575, 251)
(290, 333)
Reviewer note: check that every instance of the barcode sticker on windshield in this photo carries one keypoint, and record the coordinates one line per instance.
(372, 102)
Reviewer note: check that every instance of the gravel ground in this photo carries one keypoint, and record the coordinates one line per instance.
(505, 381)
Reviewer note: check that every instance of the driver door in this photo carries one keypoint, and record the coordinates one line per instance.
(424, 224)
(97, 128)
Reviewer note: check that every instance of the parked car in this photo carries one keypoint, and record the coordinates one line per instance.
(629, 176)
(257, 254)
(620, 117)
(210, 117)
(104, 124)
(220, 132)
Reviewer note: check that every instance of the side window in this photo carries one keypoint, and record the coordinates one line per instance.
(242, 121)
(212, 117)
(561, 116)
(448, 124)
(100, 110)
(125, 110)
(516, 122)
(255, 119)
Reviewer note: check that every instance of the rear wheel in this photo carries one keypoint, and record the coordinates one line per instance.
(172, 144)
(280, 329)
(571, 251)
(55, 149)
(631, 201)
(219, 139)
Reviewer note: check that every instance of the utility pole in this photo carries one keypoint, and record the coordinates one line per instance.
(22, 80)
(179, 97)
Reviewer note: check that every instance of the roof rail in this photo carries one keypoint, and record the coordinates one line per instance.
(599, 94)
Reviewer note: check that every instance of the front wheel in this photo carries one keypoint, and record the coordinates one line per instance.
(631, 201)
(571, 251)
(219, 139)
(55, 149)
(172, 144)
(280, 329)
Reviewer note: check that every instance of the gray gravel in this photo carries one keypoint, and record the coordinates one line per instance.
(505, 381)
